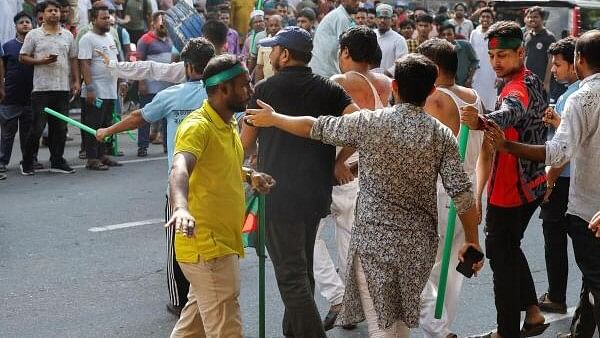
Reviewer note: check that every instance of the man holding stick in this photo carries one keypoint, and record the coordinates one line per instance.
(444, 104)
(172, 104)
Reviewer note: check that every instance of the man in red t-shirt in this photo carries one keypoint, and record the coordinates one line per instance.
(516, 186)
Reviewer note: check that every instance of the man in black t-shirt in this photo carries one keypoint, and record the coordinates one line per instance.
(303, 169)
(537, 40)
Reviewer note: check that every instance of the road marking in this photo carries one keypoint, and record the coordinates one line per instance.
(126, 225)
(550, 318)
(79, 166)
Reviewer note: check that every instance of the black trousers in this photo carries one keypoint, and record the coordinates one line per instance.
(9, 128)
(96, 118)
(177, 283)
(587, 255)
(57, 129)
(290, 245)
(556, 241)
(514, 290)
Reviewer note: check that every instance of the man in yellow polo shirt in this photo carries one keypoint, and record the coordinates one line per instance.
(206, 188)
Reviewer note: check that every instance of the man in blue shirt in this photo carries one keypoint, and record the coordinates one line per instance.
(172, 104)
(554, 207)
(15, 108)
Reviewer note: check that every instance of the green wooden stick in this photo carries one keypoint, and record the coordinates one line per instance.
(115, 137)
(70, 121)
(463, 138)
(261, 265)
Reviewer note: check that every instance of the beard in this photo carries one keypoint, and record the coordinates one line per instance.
(162, 31)
(104, 30)
(237, 106)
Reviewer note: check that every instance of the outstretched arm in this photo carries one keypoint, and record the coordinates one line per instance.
(267, 117)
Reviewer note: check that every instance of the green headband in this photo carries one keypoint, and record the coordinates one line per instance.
(225, 75)
(504, 43)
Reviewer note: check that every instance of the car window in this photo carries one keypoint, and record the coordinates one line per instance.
(557, 18)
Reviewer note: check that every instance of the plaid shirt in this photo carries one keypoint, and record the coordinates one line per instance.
(413, 44)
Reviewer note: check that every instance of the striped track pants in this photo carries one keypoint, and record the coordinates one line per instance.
(178, 284)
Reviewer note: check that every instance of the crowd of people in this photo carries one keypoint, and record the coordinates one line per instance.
(349, 110)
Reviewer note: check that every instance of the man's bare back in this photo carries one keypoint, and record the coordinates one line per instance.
(441, 106)
(360, 91)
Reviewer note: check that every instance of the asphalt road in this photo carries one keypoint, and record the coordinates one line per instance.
(59, 279)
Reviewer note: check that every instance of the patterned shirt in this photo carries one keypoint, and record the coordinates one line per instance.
(578, 139)
(39, 44)
(520, 108)
(403, 150)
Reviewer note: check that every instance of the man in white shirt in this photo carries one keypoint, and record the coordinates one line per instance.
(576, 139)
(484, 79)
(392, 44)
(462, 26)
(325, 42)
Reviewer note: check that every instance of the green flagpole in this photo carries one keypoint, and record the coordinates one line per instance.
(463, 138)
(261, 233)
(116, 119)
(70, 121)
(261, 266)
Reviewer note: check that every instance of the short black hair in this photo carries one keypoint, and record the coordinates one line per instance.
(39, 8)
(442, 53)
(216, 65)
(446, 25)
(424, 18)
(362, 9)
(45, 4)
(588, 47)
(440, 19)
(536, 9)
(505, 29)
(415, 76)
(487, 10)
(371, 11)
(407, 22)
(460, 4)
(96, 9)
(565, 48)
(215, 31)
(308, 13)
(197, 52)
(297, 55)
(21, 15)
(362, 45)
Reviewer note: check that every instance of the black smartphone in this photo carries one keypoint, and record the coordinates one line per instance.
(471, 257)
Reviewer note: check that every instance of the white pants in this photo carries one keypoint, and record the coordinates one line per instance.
(397, 330)
(439, 328)
(327, 279)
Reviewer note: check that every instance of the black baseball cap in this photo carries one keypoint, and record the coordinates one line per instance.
(291, 37)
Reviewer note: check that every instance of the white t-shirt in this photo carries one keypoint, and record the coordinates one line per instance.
(393, 46)
(484, 79)
(464, 29)
(105, 82)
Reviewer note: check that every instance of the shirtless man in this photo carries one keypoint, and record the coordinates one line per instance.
(444, 105)
(359, 50)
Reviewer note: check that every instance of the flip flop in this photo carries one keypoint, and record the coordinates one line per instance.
(532, 330)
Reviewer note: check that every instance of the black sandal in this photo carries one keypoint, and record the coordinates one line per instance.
(532, 330)
(96, 165)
